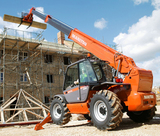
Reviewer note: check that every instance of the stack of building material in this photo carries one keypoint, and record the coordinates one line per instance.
(17, 20)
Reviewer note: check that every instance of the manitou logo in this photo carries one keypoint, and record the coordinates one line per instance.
(79, 39)
(70, 91)
(148, 96)
(84, 87)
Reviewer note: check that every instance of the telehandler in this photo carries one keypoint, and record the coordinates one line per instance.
(87, 91)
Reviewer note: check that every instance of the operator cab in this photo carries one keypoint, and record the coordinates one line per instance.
(84, 72)
(80, 77)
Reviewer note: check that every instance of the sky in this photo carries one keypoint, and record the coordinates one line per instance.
(133, 25)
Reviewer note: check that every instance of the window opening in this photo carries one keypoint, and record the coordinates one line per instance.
(1, 53)
(1, 77)
(50, 78)
(48, 59)
(46, 98)
(1, 100)
(23, 56)
(66, 60)
(23, 77)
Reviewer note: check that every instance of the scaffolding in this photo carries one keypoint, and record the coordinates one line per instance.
(30, 63)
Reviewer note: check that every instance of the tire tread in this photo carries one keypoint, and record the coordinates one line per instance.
(116, 114)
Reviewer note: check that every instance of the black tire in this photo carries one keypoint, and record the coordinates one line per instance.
(59, 112)
(105, 110)
(142, 116)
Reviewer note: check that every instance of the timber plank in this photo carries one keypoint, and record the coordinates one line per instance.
(17, 20)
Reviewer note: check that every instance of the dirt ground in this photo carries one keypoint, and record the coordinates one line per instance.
(83, 128)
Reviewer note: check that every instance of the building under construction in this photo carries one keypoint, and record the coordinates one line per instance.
(35, 68)
(30, 63)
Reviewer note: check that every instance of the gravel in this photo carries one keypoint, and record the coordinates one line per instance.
(83, 128)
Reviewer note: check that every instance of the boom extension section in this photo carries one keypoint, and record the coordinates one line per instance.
(52, 21)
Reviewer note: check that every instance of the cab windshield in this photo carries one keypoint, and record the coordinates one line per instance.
(86, 72)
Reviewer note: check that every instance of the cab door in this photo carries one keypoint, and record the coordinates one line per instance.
(77, 79)
(71, 90)
(86, 76)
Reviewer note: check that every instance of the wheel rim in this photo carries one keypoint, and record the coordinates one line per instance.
(100, 110)
(57, 111)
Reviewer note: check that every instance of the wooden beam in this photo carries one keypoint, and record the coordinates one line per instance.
(18, 98)
(14, 115)
(17, 20)
(36, 55)
(22, 123)
(26, 99)
(15, 45)
(23, 45)
(42, 106)
(9, 103)
(32, 108)
(10, 99)
(2, 117)
(28, 77)
(47, 108)
(25, 116)
(44, 112)
(37, 46)
(35, 114)
(33, 54)
(34, 102)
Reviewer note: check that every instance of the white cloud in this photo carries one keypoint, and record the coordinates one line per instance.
(137, 2)
(100, 24)
(153, 65)
(142, 43)
(156, 4)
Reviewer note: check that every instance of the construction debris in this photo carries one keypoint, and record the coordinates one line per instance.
(76, 117)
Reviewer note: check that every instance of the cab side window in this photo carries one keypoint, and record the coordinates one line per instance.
(71, 76)
(98, 71)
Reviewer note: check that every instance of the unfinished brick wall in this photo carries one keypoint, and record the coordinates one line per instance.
(38, 70)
